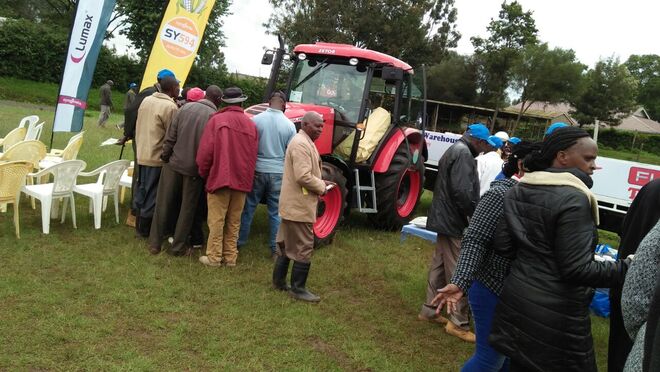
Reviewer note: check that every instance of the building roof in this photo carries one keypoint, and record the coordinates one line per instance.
(350, 51)
(639, 124)
(547, 110)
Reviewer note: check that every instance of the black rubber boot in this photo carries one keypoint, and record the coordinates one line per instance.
(143, 227)
(279, 273)
(298, 291)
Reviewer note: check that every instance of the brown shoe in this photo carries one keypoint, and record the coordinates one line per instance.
(130, 219)
(435, 319)
(459, 332)
(154, 250)
(229, 264)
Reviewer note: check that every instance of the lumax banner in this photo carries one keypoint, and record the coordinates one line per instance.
(87, 33)
(178, 39)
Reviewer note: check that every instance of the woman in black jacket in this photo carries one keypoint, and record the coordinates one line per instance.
(542, 320)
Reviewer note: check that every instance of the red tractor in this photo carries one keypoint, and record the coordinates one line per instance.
(369, 146)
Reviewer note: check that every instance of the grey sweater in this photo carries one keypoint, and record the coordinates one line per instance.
(637, 292)
(183, 136)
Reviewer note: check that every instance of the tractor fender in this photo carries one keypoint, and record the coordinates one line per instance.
(414, 137)
(341, 164)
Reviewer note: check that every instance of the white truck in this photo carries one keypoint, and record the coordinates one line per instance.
(616, 184)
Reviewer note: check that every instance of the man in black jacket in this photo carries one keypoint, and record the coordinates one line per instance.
(130, 119)
(455, 197)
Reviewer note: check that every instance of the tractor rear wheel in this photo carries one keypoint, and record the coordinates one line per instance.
(398, 191)
(330, 210)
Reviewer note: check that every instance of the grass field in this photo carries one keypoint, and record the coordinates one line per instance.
(85, 299)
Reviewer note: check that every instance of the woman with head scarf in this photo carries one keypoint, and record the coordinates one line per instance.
(542, 321)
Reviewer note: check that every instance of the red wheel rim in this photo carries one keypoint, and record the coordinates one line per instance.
(330, 212)
(408, 192)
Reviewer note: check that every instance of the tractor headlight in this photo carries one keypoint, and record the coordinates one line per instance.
(353, 61)
(302, 56)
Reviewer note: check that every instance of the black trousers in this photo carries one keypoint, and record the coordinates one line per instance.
(176, 209)
(619, 343)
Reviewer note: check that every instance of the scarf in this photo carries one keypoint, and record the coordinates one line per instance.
(543, 178)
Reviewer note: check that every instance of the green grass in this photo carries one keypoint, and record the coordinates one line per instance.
(46, 93)
(639, 156)
(88, 299)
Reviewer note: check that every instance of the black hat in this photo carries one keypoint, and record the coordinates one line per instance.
(233, 95)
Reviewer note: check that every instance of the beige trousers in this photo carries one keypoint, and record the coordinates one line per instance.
(225, 208)
(441, 270)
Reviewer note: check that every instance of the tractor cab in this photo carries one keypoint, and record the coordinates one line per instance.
(370, 146)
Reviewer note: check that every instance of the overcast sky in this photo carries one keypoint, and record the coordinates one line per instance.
(593, 29)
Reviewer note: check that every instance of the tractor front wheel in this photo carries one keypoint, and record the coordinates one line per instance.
(398, 190)
(330, 210)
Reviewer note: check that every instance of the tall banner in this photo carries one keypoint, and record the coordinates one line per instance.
(178, 39)
(87, 33)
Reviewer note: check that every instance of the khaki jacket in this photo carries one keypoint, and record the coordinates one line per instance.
(301, 182)
(154, 117)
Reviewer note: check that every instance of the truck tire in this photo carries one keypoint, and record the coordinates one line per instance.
(330, 210)
(398, 191)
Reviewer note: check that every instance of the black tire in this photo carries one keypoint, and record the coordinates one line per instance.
(392, 197)
(331, 173)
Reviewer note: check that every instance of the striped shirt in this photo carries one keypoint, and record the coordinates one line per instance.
(478, 260)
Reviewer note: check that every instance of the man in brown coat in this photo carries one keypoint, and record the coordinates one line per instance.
(301, 187)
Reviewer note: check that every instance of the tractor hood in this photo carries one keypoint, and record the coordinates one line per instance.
(296, 111)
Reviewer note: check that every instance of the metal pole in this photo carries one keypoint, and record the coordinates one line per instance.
(596, 126)
(275, 69)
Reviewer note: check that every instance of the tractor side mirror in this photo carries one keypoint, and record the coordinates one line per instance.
(267, 58)
(392, 74)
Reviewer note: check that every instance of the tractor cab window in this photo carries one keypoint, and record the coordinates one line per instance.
(412, 105)
(332, 83)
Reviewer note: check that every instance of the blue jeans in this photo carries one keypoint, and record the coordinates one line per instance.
(485, 359)
(266, 185)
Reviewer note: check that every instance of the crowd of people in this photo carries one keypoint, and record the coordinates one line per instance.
(516, 251)
(200, 158)
(515, 223)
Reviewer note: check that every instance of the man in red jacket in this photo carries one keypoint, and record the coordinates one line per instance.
(226, 158)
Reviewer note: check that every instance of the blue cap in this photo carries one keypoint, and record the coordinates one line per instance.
(515, 140)
(132, 85)
(479, 131)
(164, 73)
(495, 141)
(554, 127)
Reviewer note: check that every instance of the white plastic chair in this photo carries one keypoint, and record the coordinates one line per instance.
(70, 152)
(106, 185)
(28, 121)
(15, 136)
(126, 181)
(34, 132)
(64, 179)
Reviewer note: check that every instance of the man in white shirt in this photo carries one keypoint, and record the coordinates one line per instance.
(489, 164)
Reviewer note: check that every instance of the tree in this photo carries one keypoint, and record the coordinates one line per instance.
(646, 68)
(509, 34)
(416, 31)
(141, 19)
(454, 79)
(57, 12)
(545, 75)
(608, 94)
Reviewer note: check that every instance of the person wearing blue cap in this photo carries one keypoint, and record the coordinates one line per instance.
(489, 164)
(455, 197)
(130, 119)
(554, 127)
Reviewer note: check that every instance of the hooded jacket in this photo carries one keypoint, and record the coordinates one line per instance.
(542, 320)
(456, 190)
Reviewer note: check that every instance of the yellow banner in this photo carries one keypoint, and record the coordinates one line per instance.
(178, 39)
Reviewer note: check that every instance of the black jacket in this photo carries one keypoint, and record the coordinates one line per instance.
(542, 320)
(130, 114)
(456, 191)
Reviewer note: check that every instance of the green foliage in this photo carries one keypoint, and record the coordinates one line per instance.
(623, 140)
(646, 68)
(496, 55)
(58, 12)
(546, 75)
(142, 19)
(609, 91)
(453, 80)
(414, 31)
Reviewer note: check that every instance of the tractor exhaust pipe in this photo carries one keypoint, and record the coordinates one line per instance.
(275, 69)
